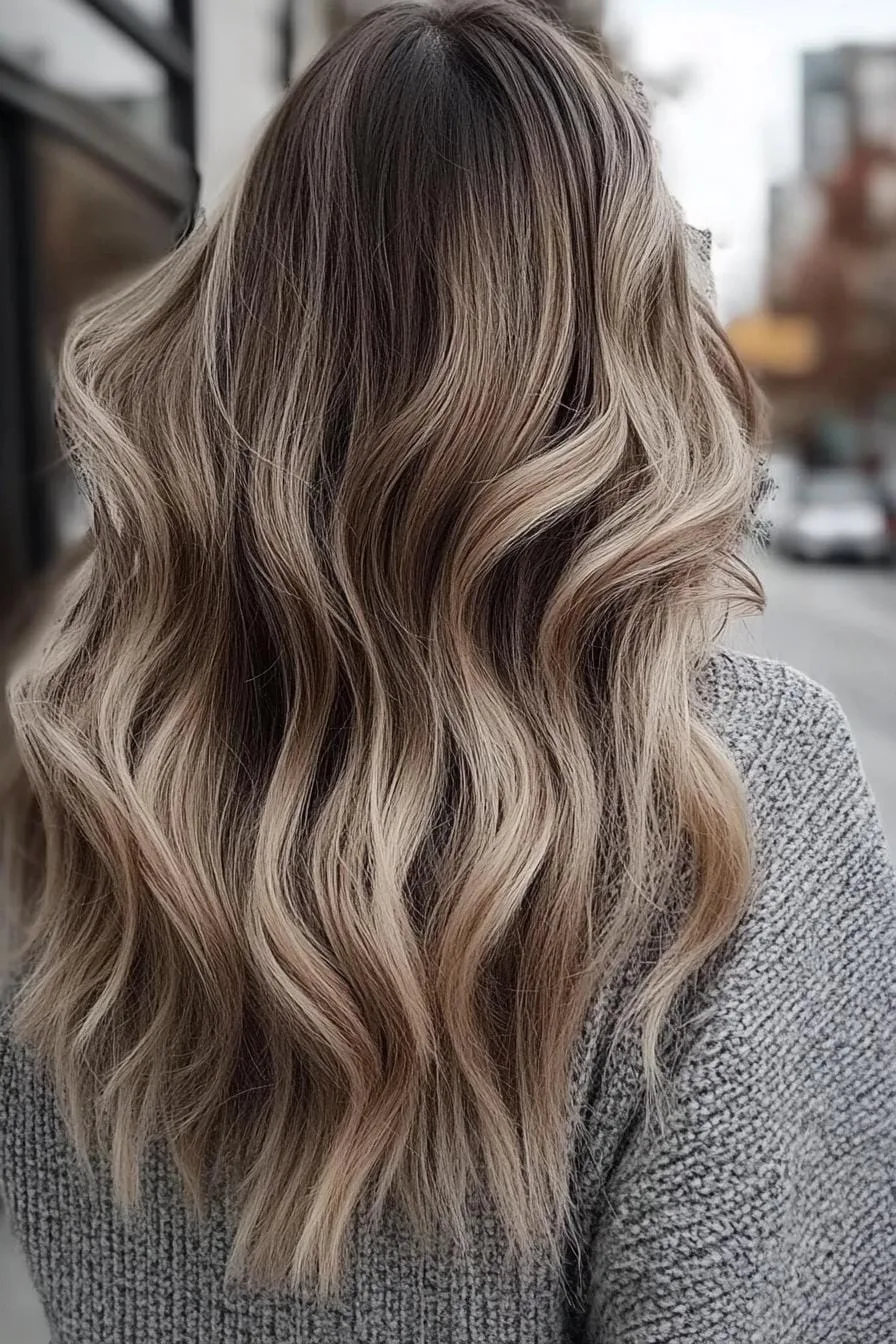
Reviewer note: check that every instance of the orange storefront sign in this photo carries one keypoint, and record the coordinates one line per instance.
(774, 343)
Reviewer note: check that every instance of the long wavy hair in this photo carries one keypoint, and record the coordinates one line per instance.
(355, 755)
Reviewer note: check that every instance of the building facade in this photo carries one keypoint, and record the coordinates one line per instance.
(849, 99)
(832, 253)
(97, 175)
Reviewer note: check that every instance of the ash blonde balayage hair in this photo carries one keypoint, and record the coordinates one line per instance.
(356, 754)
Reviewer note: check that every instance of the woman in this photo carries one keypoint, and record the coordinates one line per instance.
(427, 934)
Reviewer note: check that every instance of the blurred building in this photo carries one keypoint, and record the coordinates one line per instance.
(795, 214)
(848, 114)
(832, 265)
(849, 99)
(97, 154)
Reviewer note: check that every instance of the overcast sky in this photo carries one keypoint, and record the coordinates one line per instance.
(737, 128)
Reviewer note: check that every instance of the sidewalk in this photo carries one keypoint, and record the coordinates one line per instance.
(21, 1319)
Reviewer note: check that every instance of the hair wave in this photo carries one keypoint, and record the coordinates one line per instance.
(357, 751)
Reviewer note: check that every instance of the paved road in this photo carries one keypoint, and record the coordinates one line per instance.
(839, 626)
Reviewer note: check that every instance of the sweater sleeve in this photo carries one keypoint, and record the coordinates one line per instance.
(764, 1210)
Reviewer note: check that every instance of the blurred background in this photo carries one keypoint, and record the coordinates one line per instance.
(776, 120)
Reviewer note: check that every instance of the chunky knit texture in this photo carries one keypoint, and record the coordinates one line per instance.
(763, 1210)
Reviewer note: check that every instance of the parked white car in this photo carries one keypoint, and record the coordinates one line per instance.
(835, 513)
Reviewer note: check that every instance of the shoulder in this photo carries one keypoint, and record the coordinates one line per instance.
(33, 1134)
(793, 746)
(808, 981)
(755, 703)
(762, 1205)
(822, 862)
(798, 1006)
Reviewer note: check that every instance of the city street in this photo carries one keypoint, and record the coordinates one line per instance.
(838, 625)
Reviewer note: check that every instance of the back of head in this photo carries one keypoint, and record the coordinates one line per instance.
(361, 747)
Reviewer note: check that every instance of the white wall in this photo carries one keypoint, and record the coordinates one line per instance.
(237, 49)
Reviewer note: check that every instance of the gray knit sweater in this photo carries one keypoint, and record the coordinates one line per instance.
(764, 1212)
